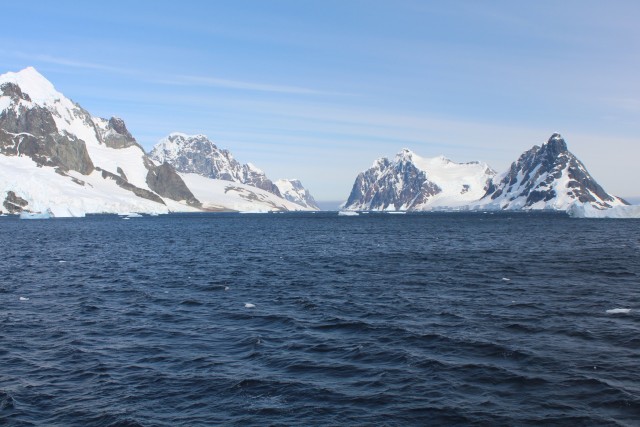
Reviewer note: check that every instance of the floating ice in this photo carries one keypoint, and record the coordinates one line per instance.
(36, 215)
(578, 210)
(506, 279)
(348, 213)
(226, 288)
(249, 305)
(619, 311)
(24, 299)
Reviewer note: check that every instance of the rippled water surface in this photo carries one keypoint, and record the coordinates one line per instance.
(316, 319)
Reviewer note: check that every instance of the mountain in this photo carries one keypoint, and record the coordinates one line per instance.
(294, 191)
(55, 156)
(196, 154)
(413, 183)
(547, 177)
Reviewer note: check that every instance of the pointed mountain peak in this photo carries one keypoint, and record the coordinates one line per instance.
(34, 84)
(556, 144)
(117, 124)
(405, 154)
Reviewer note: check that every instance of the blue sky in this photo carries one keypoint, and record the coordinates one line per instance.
(319, 89)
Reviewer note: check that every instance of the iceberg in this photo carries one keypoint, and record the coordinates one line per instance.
(579, 210)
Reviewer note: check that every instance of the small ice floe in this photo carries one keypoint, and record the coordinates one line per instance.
(24, 299)
(348, 213)
(619, 311)
(506, 279)
(62, 261)
(226, 288)
(249, 305)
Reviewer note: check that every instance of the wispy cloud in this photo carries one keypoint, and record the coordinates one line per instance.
(206, 81)
(67, 62)
(180, 80)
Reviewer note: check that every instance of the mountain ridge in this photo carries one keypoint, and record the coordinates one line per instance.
(546, 177)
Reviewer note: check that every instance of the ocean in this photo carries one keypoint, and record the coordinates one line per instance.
(316, 319)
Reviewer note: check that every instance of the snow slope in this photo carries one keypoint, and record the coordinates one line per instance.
(294, 191)
(222, 195)
(45, 189)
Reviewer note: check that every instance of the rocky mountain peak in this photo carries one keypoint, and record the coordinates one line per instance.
(548, 177)
(198, 154)
(118, 125)
(555, 146)
(33, 84)
(405, 154)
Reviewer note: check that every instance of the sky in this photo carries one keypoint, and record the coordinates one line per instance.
(319, 89)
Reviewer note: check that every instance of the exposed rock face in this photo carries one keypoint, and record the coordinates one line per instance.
(166, 182)
(400, 185)
(32, 132)
(410, 182)
(116, 135)
(13, 90)
(294, 191)
(14, 204)
(197, 154)
(547, 177)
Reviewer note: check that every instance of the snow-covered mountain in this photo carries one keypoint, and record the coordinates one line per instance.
(547, 177)
(413, 183)
(55, 156)
(294, 191)
(197, 154)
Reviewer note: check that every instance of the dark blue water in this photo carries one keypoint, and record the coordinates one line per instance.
(369, 320)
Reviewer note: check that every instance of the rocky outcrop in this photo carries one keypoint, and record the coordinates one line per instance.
(116, 135)
(166, 182)
(32, 132)
(14, 204)
(13, 91)
(122, 183)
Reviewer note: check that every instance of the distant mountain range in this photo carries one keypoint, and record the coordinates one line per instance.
(549, 177)
(55, 157)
